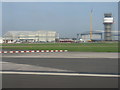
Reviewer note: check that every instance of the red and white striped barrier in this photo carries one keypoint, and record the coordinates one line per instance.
(31, 51)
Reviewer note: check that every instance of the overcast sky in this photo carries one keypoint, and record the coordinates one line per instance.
(67, 18)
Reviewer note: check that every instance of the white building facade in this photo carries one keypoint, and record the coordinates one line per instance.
(1, 40)
(30, 36)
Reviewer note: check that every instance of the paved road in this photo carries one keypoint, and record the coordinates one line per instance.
(74, 65)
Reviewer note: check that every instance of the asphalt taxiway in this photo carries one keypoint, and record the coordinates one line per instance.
(39, 71)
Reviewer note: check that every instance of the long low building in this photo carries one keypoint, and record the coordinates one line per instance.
(30, 36)
(98, 35)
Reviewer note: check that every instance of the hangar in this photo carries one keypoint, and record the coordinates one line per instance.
(30, 36)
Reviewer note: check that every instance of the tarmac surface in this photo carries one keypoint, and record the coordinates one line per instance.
(63, 55)
(42, 81)
(91, 65)
(48, 70)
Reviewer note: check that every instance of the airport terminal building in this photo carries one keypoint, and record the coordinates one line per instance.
(30, 36)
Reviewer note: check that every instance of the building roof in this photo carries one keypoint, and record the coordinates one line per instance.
(14, 33)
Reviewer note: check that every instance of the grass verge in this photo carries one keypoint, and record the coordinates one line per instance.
(74, 47)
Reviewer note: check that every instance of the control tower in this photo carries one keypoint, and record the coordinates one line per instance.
(108, 21)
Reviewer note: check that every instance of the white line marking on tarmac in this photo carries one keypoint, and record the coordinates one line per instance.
(37, 51)
(52, 51)
(16, 51)
(22, 51)
(32, 51)
(62, 74)
(11, 51)
(27, 51)
(42, 50)
(47, 50)
(5, 51)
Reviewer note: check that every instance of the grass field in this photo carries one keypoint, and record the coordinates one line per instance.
(81, 47)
